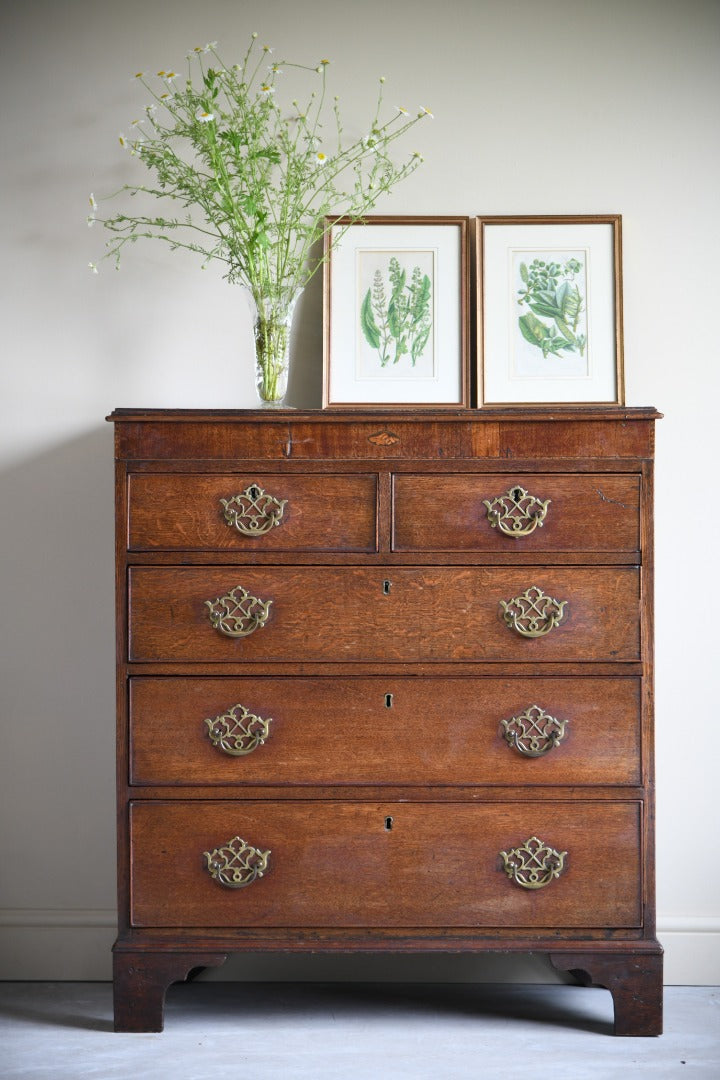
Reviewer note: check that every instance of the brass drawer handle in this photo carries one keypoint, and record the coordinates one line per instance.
(253, 512)
(533, 614)
(517, 513)
(533, 865)
(533, 732)
(236, 864)
(238, 614)
(238, 731)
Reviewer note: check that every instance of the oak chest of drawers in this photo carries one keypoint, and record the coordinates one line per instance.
(385, 683)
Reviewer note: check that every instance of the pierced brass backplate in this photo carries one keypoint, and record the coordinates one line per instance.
(253, 512)
(238, 614)
(533, 613)
(238, 731)
(533, 732)
(236, 864)
(517, 513)
(533, 865)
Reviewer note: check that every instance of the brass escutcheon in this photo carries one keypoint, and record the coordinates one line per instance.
(517, 513)
(238, 614)
(236, 864)
(533, 865)
(238, 731)
(533, 732)
(533, 614)
(253, 512)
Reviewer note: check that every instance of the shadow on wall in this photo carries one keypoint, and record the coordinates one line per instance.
(57, 677)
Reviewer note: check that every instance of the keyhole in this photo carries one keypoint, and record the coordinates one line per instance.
(517, 494)
(388, 824)
(254, 492)
(386, 587)
(388, 701)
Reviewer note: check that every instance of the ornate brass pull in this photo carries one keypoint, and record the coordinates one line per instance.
(533, 732)
(236, 864)
(254, 512)
(516, 513)
(238, 614)
(533, 865)
(238, 731)
(533, 614)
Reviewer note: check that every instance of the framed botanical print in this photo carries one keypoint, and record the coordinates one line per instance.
(549, 310)
(396, 312)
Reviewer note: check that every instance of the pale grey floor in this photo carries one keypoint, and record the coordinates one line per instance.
(336, 1031)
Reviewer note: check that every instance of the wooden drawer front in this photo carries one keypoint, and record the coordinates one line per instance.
(171, 511)
(448, 513)
(394, 731)
(338, 864)
(336, 614)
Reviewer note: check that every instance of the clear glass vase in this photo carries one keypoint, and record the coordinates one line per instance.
(273, 324)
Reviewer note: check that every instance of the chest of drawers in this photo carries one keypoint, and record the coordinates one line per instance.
(385, 684)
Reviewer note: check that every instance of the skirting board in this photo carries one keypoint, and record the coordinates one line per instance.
(42, 944)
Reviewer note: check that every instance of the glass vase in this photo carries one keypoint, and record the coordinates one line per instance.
(273, 324)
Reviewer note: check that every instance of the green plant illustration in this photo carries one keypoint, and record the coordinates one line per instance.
(552, 292)
(399, 325)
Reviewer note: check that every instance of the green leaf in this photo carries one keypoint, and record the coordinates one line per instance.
(565, 331)
(524, 272)
(419, 343)
(532, 329)
(394, 318)
(368, 324)
(549, 310)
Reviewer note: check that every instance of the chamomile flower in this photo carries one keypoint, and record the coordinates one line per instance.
(324, 63)
(93, 268)
(267, 49)
(266, 89)
(425, 112)
(402, 110)
(169, 76)
(274, 69)
(123, 141)
(151, 108)
(320, 158)
(139, 74)
(93, 204)
(203, 116)
(165, 97)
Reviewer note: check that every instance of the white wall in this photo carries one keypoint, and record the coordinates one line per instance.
(565, 106)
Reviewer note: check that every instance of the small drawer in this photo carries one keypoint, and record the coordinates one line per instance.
(516, 512)
(384, 731)
(251, 512)
(333, 864)
(393, 614)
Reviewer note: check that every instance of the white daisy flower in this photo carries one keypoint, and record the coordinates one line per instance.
(93, 204)
(123, 141)
(93, 268)
(139, 75)
(266, 89)
(320, 158)
(204, 116)
(170, 75)
(426, 112)
(274, 69)
(267, 49)
(402, 109)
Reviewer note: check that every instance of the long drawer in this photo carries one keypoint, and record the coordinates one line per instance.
(400, 614)
(251, 512)
(391, 864)
(391, 731)
(516, 512)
